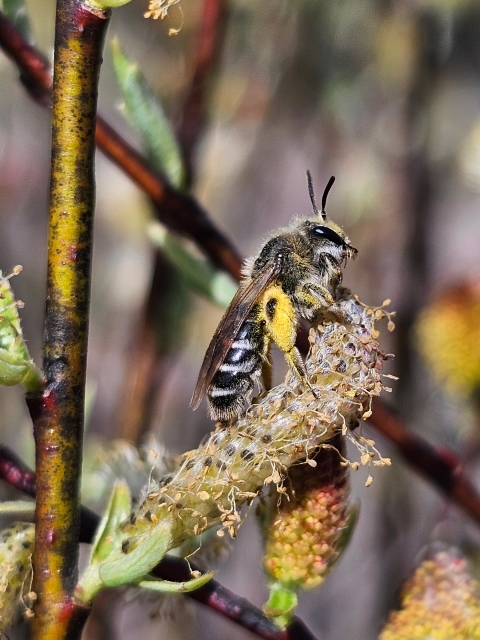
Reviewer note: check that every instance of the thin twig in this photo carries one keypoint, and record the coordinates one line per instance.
(58, 413)
(209, 43)
(439, 465)
(177, 211)
(148, 358)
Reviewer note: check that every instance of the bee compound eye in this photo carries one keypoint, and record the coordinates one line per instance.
(329, 234)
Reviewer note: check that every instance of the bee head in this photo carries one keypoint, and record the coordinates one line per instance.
(325, 230)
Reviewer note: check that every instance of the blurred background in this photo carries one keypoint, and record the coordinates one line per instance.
(383, 94)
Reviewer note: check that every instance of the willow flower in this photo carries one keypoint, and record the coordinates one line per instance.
(16, 548)
(230, 468)
(439, 602)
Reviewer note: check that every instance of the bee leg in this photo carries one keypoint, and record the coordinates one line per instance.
(266, 375)
(296, 363)
(324, 300)
(280, 324)
(317, 296)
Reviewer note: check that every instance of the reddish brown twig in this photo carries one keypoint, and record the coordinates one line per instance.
(150, 353)
(209, 43)
(16, 473)
(439, 465)
(177, 211)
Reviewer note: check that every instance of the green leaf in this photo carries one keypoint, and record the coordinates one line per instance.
(17, 506)
(106, 4)
(146, 114)
(107, 535)
(16, 366)
(199, 275)
(107, 542)
(16, 11)
(130, 567)
(166, 586)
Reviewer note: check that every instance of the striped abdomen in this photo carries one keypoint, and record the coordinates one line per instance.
(234, 380)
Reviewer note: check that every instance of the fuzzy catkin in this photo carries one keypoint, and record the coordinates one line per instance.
(448, 333)
(303, 530)
(231, 466)
(16, 548)
(439, 602)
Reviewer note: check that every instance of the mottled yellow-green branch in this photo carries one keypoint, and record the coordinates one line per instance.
(58, 412)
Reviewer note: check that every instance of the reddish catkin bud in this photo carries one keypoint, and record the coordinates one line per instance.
(16, 548)
(440, 601)
(304, 527)
(303, 532)
(231, 467)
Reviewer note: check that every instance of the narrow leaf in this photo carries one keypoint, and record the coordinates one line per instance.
(17, 506)
(16, 365)
(116, 512)
(199, 275)
(146, 114)
(131, 567)
(166, 586)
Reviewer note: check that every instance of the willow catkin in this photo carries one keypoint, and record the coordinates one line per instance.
(232, 465)
(305, 525)
(16, 548)
(439, 602)
(448, 335)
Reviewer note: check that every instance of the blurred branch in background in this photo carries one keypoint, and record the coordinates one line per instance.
(193, 116)
(440, 466)
(419, 177)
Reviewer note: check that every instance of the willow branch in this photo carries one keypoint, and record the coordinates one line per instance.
(438, 465)
(58, 414)
(177, 211)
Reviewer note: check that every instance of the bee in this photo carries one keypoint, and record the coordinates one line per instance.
(295, 275)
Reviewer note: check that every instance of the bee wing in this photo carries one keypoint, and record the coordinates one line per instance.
(233, 318)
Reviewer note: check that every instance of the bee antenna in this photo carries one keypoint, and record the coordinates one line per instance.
(324, 197)
(311, 194)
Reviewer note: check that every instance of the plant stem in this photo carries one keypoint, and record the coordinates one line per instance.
(58, 413)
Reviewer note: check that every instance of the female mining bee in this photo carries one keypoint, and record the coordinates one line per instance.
(295, 275)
